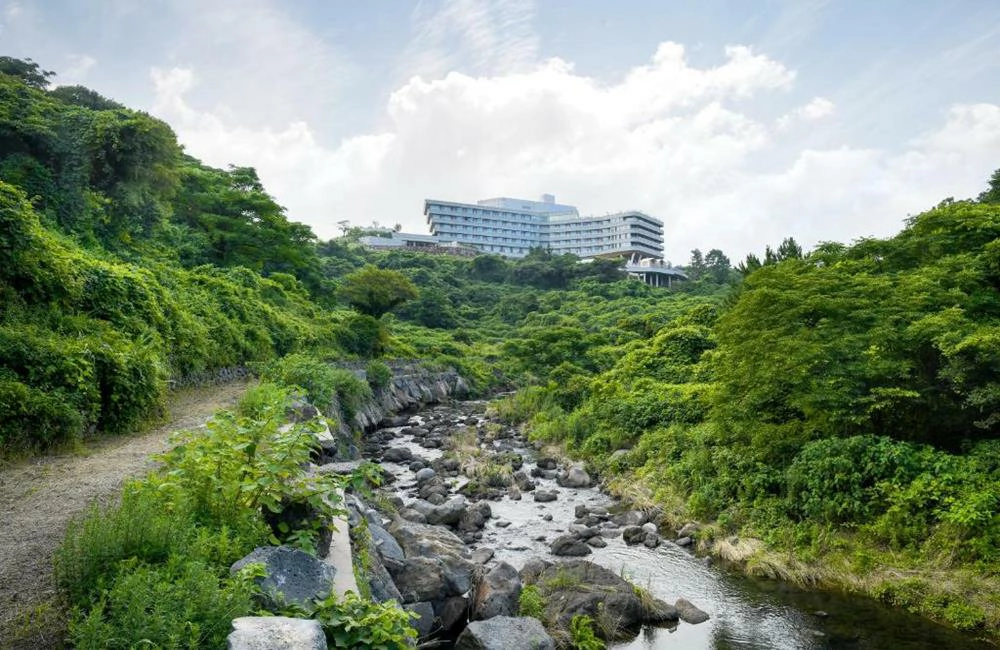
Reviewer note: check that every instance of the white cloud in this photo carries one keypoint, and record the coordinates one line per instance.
(673, 140)
(816, 109)
(77, 70)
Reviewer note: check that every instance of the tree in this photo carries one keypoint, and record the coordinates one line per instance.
(718, 265)
(696, 267)
(374, 291)
(992, 195)
(26, 70)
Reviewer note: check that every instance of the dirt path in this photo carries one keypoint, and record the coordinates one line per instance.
(39, 497)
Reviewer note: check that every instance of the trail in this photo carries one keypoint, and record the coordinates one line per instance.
(38, 498)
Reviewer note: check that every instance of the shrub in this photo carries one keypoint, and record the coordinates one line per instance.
(180, 604)
(582, 636)
(142, 527)
(378, 374)
(354, 622)
(530, 603)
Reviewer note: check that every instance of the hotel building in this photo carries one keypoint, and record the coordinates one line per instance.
(512, 227)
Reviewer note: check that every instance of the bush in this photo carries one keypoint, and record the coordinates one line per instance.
(354, 622)
(378, 374)
(530, 603)
(180, 604)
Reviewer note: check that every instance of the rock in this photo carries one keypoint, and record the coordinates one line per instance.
(425, 474)
(451, 611)
(650, 527)
(297, 576)
(413, 515)
(497, 593)
(684, 541)
(578, 587)
(659, 612)
(503, 523)
(422, 540)
(482, 555)
(421, 578)
(597, 542)
(505, 633)
(523, 483)
(397, 455)
(689, 613)
(275, 633)
(546, 463)
(513, 493)
(436, 499)
(472, 520)
(688, 530)
(630, 518)
(544, 496)
(633, 535)
(448, 513)
(484, 509)
(547, 517)
(425, 624)
(385, 543)
(416, 466)
(651, 540)
(581, 511)
(568, 545)
(533, 567)
(574, 477)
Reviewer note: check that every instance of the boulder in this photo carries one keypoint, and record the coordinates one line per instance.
(423, 540)
(425, 474)
(633, 535)
(569, 545)
(482, 555)
(690, 613)
(651, 540)
(448, 513)
(688, 530)
(544, 496)
(574, 477)
(497, 593)
(385, 544)
(421, 578)
(472, 520)
(397, 455)
(505, 633)
(297, 576)
(524, 484)
(451, 611)
(684, 542)
(597, 542)
(630, 518)
(275, 633)
(533, 568)
(546, 462)
(578, 587)
(424, 625)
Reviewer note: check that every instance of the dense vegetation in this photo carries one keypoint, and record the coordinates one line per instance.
(842, 405)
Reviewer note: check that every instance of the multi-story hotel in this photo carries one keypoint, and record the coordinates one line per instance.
(511, 227)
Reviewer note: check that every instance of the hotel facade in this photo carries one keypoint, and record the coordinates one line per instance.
(512, 227)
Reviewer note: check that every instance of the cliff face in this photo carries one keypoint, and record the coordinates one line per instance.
(410, 387)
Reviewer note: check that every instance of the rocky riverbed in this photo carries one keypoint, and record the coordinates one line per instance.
(477, 516)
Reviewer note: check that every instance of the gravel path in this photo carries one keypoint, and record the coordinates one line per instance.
(38, 498)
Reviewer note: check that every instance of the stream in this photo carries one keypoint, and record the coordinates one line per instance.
(745, 612)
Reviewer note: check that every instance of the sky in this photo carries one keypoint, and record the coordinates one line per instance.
(736, 122)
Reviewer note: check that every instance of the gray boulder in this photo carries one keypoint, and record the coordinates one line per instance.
(579, 587)
(574, 477)
(385, 544)
(630, 518)
(689, 613)
(633, 535)
(425, 624)
(451, 611)
(292, 576)
(275, 633)
(497, 593)
(448, 513)
(505, 633)
(569, 545)
(544, 496)
(421, 578)
(425, 474)
(397, 455)
(426, 541)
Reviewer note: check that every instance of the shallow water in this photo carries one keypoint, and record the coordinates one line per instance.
(745, 613)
